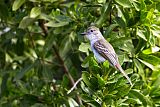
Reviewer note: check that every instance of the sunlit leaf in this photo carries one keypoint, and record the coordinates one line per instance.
(25, 22)
(124, 3)
(101, 82)
(137, 94)
(84, 47)
(42, 54)
(101, 1)
(154, 68)
(106, 64)
(94, 104)
(17, 4)
(35, 0)
(151, 50)
(36, 11)
(154, 60)
(55, 24)
(72, 102)
(140, 33)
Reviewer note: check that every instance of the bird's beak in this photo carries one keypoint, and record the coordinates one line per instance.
(84, 33)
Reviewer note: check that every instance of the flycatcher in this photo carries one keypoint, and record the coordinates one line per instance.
(103, 50)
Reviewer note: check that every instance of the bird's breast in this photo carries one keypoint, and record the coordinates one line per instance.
(97, 55)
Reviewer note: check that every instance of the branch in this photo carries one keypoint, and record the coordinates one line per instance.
(66, 71)
(45, 31)
(43, 27)
(63, 65)
(74, 86)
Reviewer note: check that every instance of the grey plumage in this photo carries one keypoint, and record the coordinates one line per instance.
(103, 50)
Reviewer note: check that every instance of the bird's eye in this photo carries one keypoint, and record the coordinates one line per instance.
(91, 30)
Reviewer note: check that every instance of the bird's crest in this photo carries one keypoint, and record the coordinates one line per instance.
(92, 28)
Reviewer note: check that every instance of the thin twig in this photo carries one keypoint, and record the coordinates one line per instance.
(74, 86)
(66, 71)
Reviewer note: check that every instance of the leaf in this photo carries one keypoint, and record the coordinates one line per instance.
(93, 62)
(140, 69)
(109, 29)
(107, 8)
(25, 22)
(84, 47)
(121, 22)
(106, 64)
(35, 0)
(124, 43)
(48, 44)
(121, 59)
(72, 102)
(65, 46)
(121, 92)
(85, 77)
(3, 87)
(129, 71)
(155, 86)
(46, 74)
(147, 51)
(154, 68)
(86, 98)
(85, 63)
(152, 59)
(3, 58)
(150, 14)
(140, 33)
(94, 67)
(101, 82)
(101, 1)
(17, 4)
(65, 81)
(36, 11)
(136, 93)
(136, 5)
(3, 11)
(151, 50)
(156, 32)
(89, 100)
(56, 24)
(124, 3)
(94, 104)
(22, 72)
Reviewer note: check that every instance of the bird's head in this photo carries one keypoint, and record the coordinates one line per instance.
(93, 33)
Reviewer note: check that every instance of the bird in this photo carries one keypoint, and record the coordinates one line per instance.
(103, 50)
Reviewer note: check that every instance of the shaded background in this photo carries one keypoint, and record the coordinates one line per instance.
(42, 53)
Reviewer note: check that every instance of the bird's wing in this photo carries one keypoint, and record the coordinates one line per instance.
(105, 49)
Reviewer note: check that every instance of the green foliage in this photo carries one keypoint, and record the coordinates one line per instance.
(42, 53)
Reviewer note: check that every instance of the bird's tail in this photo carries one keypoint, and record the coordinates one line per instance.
(118, 66)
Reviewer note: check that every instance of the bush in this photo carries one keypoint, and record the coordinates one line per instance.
(42, 53)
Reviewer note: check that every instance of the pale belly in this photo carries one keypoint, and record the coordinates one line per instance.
(98, 56)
